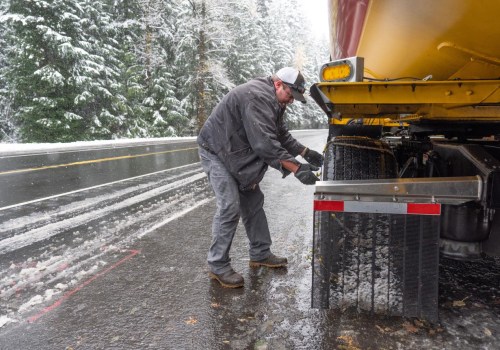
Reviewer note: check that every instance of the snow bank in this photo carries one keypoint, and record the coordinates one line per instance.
(7, 149)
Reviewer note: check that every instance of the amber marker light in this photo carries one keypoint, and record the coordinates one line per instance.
(348, 69)
(337, 72)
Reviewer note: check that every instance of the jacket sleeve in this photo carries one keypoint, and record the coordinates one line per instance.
(260, 122)
(293, 146)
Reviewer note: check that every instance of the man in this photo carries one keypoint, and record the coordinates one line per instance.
(244, 135)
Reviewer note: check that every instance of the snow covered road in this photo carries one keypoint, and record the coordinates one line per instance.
(49, 245)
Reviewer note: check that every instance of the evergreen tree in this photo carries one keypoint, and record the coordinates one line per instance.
(95, 76)
(279, 34)
(245, 51)
(81, 70)
(200, 74)
(56, 71)
(163, 109)
(127, 33)
(145, 99)
(293, 45)
(7, 126)
(36, 72)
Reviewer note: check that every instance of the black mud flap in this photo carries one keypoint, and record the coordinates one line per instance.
(379, 263)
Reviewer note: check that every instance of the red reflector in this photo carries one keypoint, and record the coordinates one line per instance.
(424, 209)
(329, 205)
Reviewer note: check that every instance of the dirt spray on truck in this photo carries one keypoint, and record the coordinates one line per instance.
(412, 161)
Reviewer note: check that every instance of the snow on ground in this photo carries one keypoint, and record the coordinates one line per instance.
(45, 275)
(17, 148)
(96, 228)
(5, 320)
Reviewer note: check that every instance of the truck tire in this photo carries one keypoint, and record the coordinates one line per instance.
(358, 258)
(358, 158)
(352, 247)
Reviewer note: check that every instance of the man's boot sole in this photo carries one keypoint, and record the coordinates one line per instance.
(223, 284)
(258, 264)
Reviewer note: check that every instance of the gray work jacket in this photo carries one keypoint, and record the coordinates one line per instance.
(247, 132)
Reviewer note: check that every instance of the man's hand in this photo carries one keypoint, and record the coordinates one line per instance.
(285, 172)
(313, 157)
(305, 174)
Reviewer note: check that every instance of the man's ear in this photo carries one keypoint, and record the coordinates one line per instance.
(277, 84)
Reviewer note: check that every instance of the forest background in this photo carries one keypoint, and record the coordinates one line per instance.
(79, 70)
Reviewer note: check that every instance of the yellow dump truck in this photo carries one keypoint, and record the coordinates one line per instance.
(412, 162)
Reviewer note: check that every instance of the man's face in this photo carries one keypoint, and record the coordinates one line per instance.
(283, 93)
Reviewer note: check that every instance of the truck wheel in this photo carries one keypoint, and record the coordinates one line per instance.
(361, 260)
(350, 254)
(358, 158)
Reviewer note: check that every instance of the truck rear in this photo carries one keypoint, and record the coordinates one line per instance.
(412, 162)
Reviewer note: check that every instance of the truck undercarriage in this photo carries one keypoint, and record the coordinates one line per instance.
(370, 251)
(412, 162)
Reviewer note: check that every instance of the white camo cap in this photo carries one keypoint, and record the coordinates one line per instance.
(295, 80)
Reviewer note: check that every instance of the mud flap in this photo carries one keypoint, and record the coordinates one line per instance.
(379, 263)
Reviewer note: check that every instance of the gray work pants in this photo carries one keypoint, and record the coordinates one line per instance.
(231, 204)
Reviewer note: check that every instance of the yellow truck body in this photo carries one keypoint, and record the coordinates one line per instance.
(422, 59)
(412, 93)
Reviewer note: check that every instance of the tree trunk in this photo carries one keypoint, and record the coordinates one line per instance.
(201, 113)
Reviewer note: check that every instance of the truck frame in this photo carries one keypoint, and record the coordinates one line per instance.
(412, 161)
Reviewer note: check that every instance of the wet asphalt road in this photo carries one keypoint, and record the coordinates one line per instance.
(152, 291)
(40, 174)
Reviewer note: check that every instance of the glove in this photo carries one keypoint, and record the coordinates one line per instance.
(313, 157)
(305, 174)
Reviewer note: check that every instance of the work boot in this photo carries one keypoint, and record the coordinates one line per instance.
(271, 261)
(229, 279)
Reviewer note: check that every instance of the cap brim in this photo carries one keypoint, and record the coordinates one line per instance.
(298, 96)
